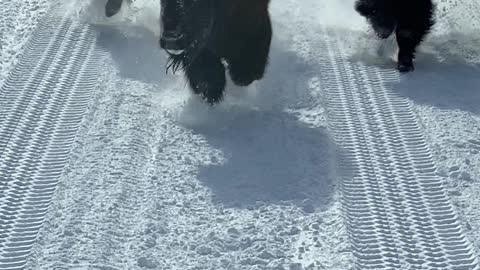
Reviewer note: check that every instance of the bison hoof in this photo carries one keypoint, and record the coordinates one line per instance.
(112, 7)
(405, 67)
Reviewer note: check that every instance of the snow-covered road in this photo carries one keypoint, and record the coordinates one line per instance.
(333, 161)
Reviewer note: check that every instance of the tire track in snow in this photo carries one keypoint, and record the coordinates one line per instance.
(300, 26)
(397, 210)
(42, 103)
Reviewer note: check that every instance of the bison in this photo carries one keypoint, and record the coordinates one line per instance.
(410, 19)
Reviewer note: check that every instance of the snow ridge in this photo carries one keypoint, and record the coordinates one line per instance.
(42, 103)
(396, 208)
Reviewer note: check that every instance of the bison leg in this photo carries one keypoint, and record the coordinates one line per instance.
(206, 76)
(248, 50)
(112, 7)
(414, 23)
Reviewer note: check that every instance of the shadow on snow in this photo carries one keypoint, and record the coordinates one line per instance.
(270, 155)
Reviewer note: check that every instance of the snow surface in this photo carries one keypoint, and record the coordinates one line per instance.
(17, 20)
(157, 180)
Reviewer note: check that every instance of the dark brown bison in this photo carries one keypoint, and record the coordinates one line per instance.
(199, 34)
(207, 37)
(410, 19)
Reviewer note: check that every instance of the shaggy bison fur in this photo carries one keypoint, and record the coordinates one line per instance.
(206, 38)
(410, 19)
